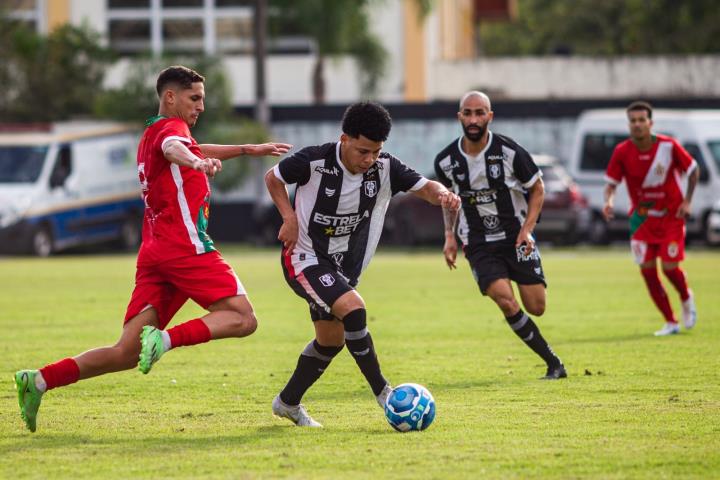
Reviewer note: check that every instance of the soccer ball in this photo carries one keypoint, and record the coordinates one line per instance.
(410, 407)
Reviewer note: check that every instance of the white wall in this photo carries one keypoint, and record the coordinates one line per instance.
(578, 77)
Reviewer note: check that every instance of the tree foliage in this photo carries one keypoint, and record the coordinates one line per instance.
(49, 78)
(137, 100)
(338, 27)
(610, 27)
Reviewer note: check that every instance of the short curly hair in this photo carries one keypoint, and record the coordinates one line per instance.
(178, 75)
(369, 119)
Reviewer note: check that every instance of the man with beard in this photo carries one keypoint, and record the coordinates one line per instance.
(502, 194)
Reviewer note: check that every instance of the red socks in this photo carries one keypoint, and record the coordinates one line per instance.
(191, 332)
(657, 292)
(678, 279)
(61, 373)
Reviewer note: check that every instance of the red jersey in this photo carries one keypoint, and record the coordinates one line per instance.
(652, 178)
(176, 198)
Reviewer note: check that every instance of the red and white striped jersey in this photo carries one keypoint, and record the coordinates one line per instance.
(176, 198)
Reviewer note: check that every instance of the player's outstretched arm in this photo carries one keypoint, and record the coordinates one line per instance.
(176, 152)
(289, 230)
(224, 152)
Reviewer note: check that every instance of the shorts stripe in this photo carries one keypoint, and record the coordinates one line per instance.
(310, 291)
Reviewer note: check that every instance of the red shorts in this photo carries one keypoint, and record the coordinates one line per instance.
(664, 238)
(166, 286)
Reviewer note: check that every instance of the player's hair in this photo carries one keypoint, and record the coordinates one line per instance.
(640, 105)
(178, 75)
(368, 119)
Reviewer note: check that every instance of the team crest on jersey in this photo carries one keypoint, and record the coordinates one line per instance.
(327, 280)
(329, 191)
(673, 249)
(491, 222)
(338, 258)
(371, 189)
(495, 170)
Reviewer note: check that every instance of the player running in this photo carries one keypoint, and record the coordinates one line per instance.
(177, 260)
(502, 194)
(651, 165)
(329, 236)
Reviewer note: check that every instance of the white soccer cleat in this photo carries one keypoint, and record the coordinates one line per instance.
(382, 398)
(294, 413)
(668, 329)
(689, 313)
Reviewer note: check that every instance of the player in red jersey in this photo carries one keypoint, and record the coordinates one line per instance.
(651, 166)
(177, 260)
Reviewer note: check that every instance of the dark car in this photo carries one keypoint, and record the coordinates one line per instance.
(565, 216)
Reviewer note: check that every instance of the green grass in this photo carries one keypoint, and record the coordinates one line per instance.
(634, 406)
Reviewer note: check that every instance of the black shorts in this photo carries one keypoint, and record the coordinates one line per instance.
(320, 286)
(492, 262)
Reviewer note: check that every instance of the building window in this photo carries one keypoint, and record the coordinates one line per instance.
(182, 35)
(128, 3)
(190, 26)
(130, 36)
(27, 13)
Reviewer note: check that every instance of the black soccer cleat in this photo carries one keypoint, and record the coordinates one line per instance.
(555, 372)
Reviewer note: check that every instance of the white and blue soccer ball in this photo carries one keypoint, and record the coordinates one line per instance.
(410, 407)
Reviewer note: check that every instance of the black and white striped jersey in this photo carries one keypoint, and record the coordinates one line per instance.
(340, 214)
(492, 186)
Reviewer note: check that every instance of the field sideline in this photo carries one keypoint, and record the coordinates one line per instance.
(634, 406)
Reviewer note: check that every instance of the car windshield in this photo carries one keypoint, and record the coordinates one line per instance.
(714, 146)
(21, 164)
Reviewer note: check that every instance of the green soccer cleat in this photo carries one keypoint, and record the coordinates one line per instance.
(29, 397)
(151, 348)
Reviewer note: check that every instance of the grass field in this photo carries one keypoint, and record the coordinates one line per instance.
(634, 406)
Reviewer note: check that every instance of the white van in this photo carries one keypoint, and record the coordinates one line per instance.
(69, 184)
(599, 131)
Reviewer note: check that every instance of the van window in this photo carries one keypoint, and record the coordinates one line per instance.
(21, 164)
(694, 150)
(714, 147)
(63, 167)
(597, 150)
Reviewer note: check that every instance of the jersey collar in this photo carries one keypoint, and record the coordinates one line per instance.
(480, 155)
(154, 119)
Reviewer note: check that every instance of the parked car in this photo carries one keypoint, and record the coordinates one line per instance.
(565, 216)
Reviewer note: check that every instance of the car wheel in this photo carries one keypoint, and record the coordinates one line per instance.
(598, 231)
(42, 242)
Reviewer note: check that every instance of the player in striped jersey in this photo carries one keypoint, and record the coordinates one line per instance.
(329, 236)
(502, 194)
(177, 259)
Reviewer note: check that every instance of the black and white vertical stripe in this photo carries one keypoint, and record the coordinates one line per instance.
(492, 186)
(341, 214)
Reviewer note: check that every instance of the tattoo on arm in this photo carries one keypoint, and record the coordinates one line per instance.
(449, 219)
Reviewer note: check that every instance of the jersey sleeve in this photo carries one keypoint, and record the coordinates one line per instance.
(615, 171)
(682, 158)
(173, 129)
(440, 173)
(404, 178)
(524, 168)
(294, 169)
